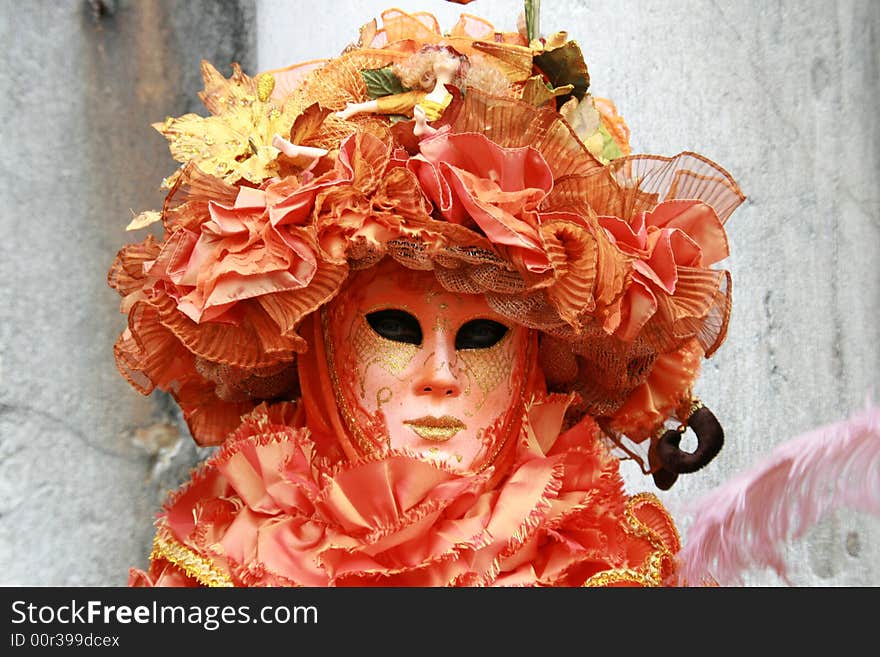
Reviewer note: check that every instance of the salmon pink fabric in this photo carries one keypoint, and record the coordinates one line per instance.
(472, 179)
(269, 510)
(676, 234)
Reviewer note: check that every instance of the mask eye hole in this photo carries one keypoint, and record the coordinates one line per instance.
(396, 325)
(479, 334)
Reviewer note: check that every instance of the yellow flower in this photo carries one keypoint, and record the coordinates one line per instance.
(236, 141)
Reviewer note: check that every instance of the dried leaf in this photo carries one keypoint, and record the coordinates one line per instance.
(513, 60)
(582, 116)
(610, 149)
(584, 119)
(565, 65)
(220, 93)
(536, 91)
(235, 142)
(308, 124)
(144, 219)
(367, 34)
(556, 41)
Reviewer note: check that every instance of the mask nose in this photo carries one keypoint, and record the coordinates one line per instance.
(437, 376)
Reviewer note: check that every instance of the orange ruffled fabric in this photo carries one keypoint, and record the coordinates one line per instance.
(674, 237)
(268, 510)
(241, 267)
(666, 391)
(475, 182)
(501, 192)
(227, 286)
(471, 35)
(374, 202)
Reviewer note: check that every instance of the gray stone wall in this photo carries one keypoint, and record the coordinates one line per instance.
(85, 459)
(781, 94)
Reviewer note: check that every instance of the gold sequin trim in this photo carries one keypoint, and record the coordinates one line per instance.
(651, 572)
(194, 565)
(618, 576)
(642, 530)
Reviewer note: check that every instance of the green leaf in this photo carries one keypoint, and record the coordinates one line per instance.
(565, 65)
(610, 149)
(382, 82)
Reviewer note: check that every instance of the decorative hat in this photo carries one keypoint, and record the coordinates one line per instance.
(479, 155)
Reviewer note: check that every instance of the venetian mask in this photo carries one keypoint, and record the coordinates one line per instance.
(425, 370)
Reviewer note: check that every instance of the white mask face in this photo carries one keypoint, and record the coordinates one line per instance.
(440, 371)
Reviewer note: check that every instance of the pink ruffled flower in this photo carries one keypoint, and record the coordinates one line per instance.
(238, 254)
(374, 201)
(471, 180)
(219, 301)
(670, 243)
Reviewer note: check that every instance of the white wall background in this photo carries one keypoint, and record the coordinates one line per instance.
(85, 460)
(782, 94)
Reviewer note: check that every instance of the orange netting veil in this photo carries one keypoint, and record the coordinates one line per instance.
(506, 178)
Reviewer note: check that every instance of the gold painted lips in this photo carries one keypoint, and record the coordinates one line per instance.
(436, 429)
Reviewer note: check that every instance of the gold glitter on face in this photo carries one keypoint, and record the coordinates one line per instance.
(489, 368)
(383, 396)
(372, 349)
(441, 323)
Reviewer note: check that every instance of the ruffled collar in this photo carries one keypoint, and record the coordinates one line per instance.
(269, 510)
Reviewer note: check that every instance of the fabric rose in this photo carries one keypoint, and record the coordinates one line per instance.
(226, 288)
(506, 194)
(236, 255)
(372, 201)
(666, 217)
(475, 182)
(672, 243)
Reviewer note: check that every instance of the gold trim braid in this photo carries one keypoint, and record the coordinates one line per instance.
(621, 575)
(642, 530)
(194, 565)
(650, 573)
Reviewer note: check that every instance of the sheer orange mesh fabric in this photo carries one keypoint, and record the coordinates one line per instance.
(336, 83)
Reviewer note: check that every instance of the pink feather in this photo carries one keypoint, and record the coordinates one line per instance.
(747, 522)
